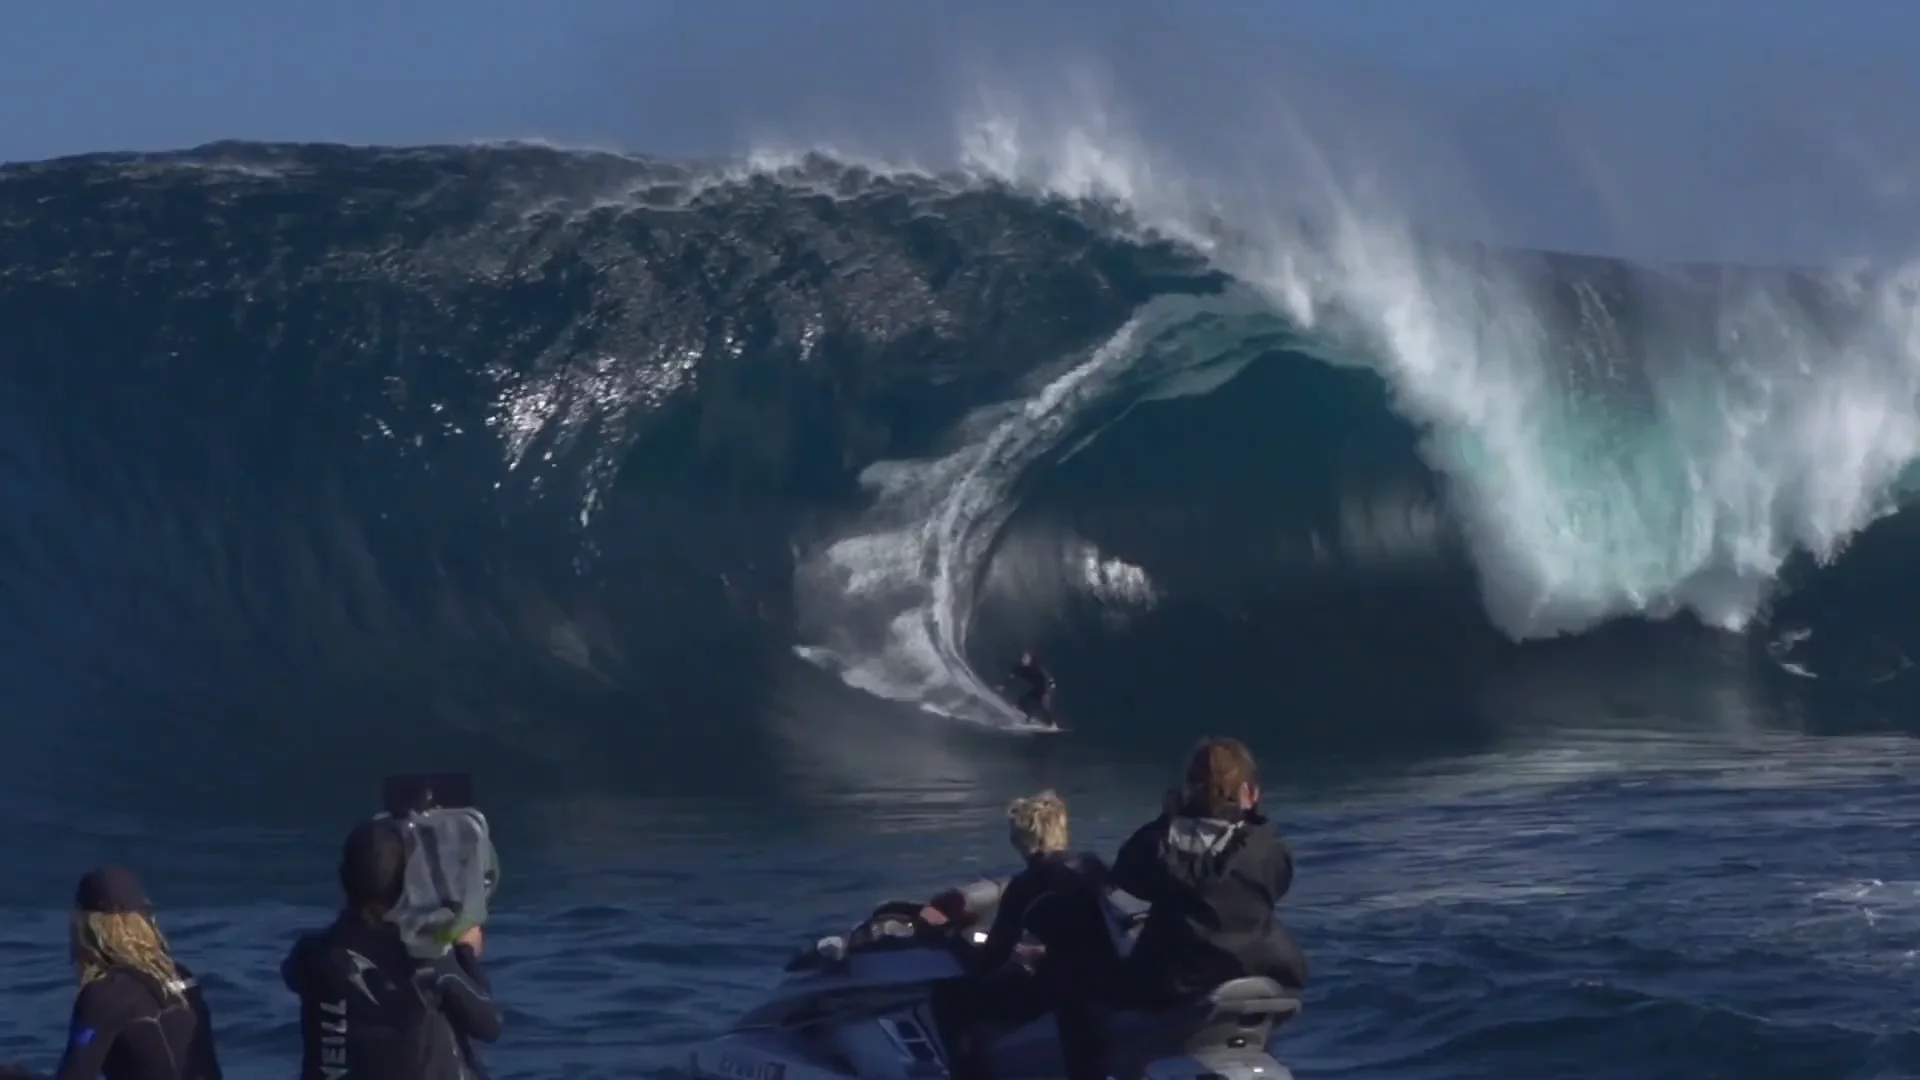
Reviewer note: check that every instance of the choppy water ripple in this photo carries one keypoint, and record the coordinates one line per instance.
(1579, 913)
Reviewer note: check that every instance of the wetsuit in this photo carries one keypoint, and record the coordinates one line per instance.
(1213, 884)
(1037, 699)
(126, 1027)
(371, 1011)
(1060, 899)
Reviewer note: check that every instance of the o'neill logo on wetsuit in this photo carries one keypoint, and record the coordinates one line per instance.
(361, 965)
(333, 1039)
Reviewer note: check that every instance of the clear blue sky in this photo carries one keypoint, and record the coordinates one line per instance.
(110, 74)
(1714, 87)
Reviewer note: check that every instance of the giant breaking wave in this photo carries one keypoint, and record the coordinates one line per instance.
(495, 434)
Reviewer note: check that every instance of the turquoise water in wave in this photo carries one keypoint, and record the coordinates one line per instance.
(1621, 903)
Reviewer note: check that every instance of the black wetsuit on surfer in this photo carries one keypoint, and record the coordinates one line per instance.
(1036, 700)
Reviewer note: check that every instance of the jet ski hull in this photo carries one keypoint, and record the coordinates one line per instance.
(746, 1056)
(749, 1056)
(858, 1008)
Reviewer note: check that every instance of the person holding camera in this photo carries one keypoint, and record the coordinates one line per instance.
(1212, 869)
(371, 1008)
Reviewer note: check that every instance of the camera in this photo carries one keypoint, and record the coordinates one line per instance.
(452, 869)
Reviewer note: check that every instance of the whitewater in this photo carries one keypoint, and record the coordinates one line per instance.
(1596, 470)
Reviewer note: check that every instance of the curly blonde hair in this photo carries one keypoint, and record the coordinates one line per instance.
(102, 942)
(1038, 823)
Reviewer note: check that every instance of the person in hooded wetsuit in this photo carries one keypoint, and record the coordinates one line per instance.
(368, 1009)
(1059, 898)
(139, 1014)
(1212, 869)
(1036, 700)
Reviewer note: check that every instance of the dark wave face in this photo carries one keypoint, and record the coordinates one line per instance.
(579, 451)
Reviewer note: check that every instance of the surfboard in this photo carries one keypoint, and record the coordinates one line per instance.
(1027, 722)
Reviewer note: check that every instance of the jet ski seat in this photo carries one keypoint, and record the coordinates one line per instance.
(1237, 1013)
(1254, 994)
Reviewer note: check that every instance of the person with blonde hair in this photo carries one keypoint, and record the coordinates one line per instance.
(139, 1014)
(1212, 870)
(1037, 824)
(1059, 898)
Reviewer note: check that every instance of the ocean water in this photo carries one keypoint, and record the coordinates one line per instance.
(1736, 904)
(698, 508)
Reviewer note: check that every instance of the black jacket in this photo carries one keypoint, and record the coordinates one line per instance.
(1212, 886)
(126, 1026)
(370, 1011)
(1060, 899)
(1038, 680)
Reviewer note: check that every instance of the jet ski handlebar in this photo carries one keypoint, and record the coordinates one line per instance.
(967, 904)
(900, 922)
(896, 924)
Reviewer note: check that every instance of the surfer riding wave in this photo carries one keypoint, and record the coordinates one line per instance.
(1036, 699)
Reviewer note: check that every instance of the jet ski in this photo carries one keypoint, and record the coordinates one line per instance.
(858, 1006)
